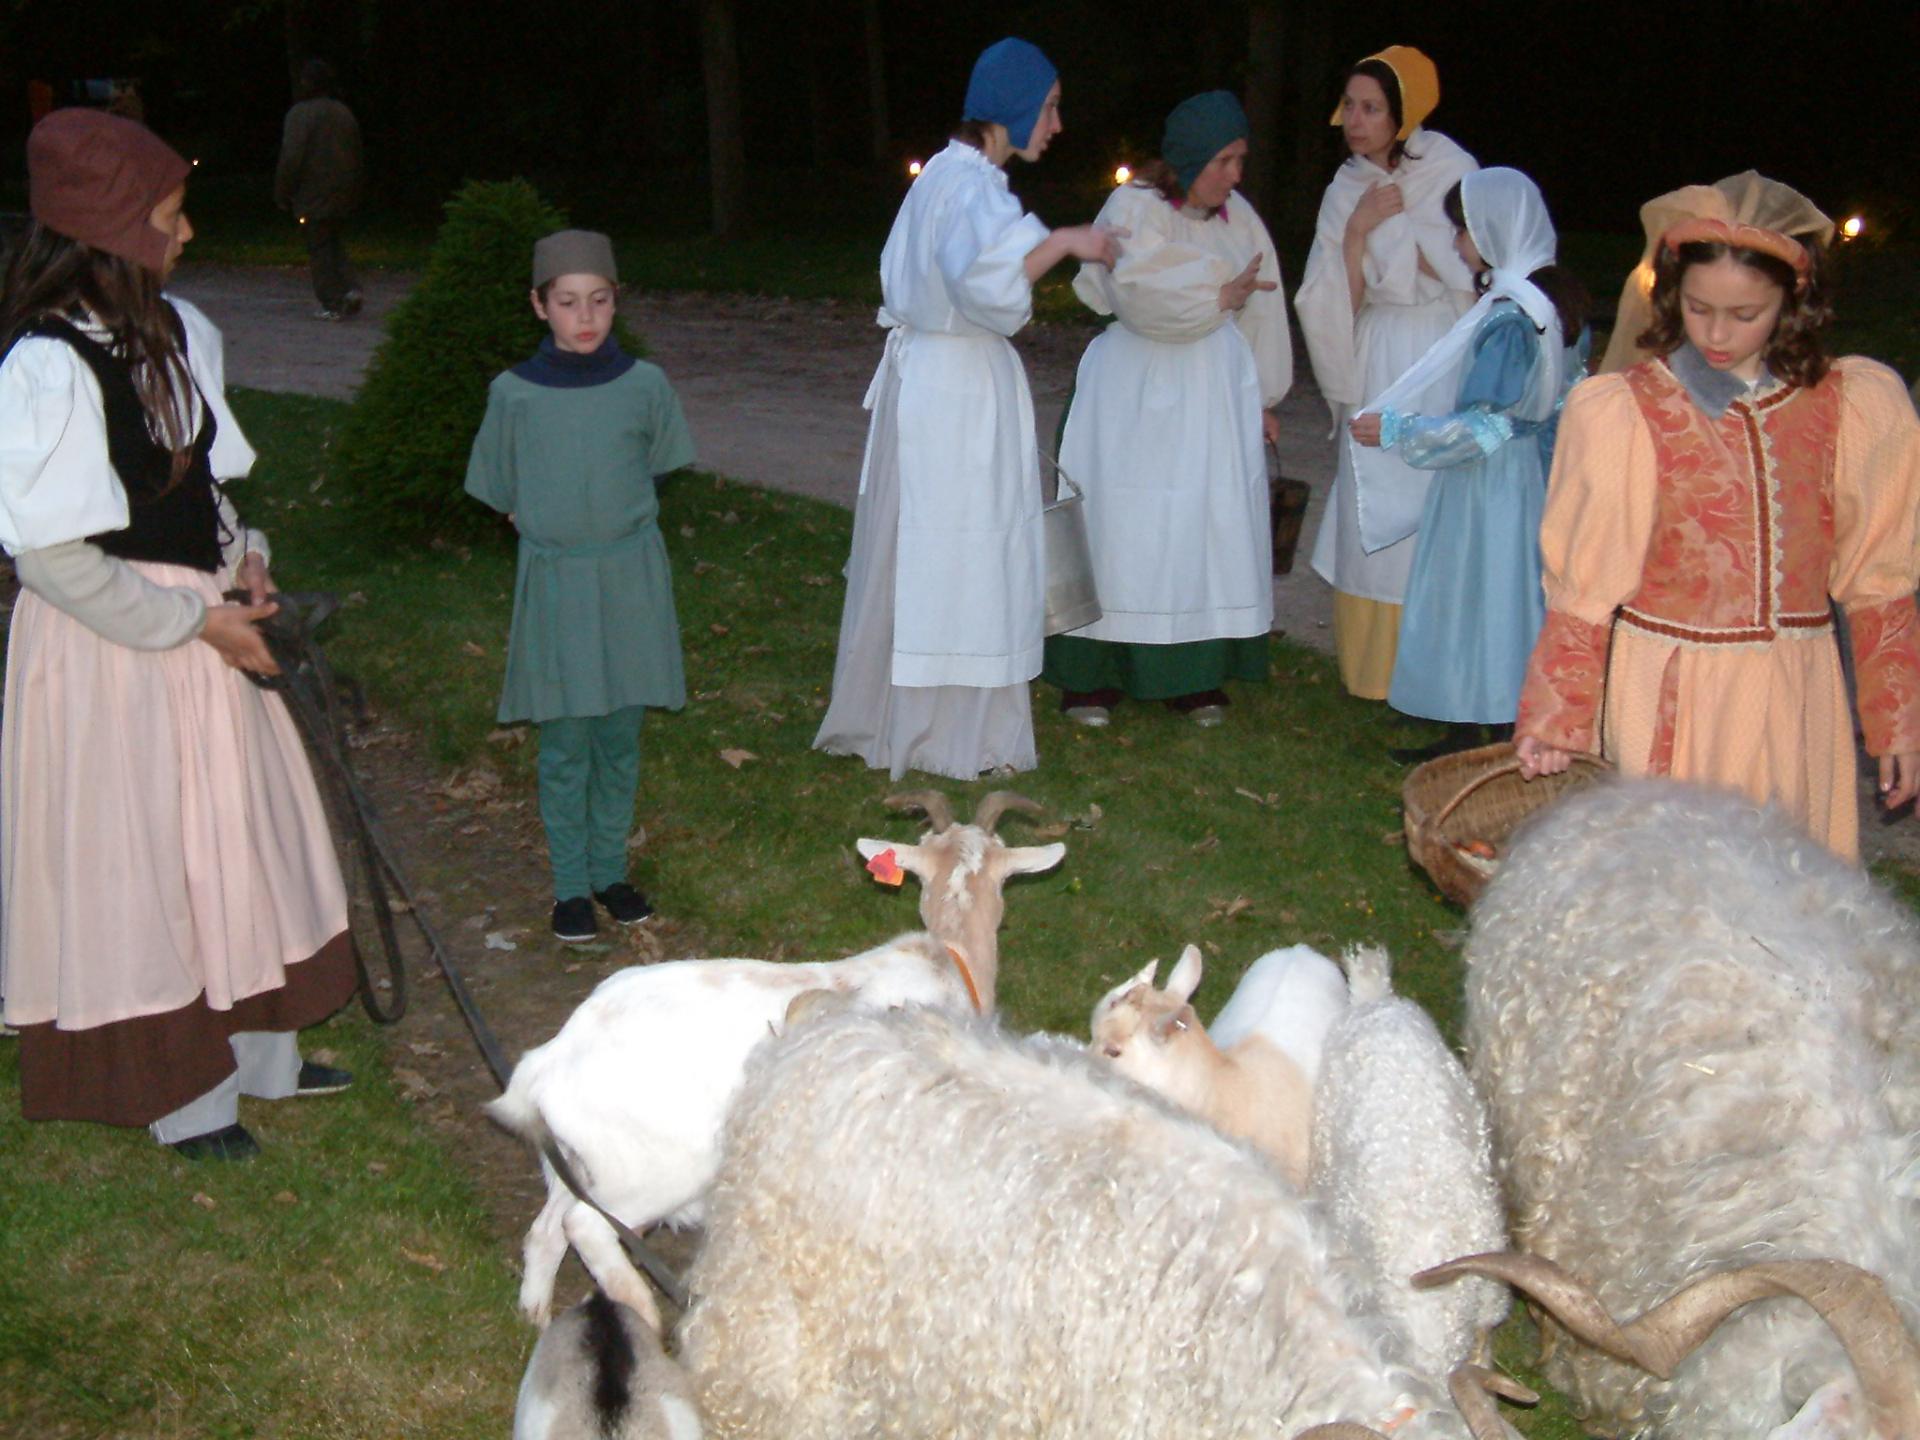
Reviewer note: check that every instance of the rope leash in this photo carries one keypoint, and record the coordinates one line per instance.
(307, 684)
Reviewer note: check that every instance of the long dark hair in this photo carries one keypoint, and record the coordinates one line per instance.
(1382, 74)
(1797, 350)
(52, 275)
(1560, 285)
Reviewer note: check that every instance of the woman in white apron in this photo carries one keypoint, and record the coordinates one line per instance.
(1382, 285)
(1168, 428)
(946, 584)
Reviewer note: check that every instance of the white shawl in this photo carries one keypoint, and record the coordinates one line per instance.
(1511, 229)
(1324, 303)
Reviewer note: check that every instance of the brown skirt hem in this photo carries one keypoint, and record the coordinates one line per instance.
(131, 1072)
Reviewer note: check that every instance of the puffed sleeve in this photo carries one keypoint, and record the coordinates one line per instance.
(982, 253)
(232, 456)
(1876, 561)
(56, 482)
(1159, 288)
(490, 470)
(1601, 499)
(1504, 355)
(672, 447)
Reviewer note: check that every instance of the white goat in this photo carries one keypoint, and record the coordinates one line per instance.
(923, 1227)
(1259, 1086)
(634, 1088)
(598, 1373)
(1699, 1037)
(1403, 1167)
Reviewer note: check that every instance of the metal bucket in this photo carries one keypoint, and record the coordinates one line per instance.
(1072, 600)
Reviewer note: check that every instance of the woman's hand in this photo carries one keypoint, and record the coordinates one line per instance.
(1379, 204)
(1365, 429)
(1539, 758)
(1899, 778)
(251, 575)
(1096, 244)
(1270, 427)
(1237, 291)
(230, 631)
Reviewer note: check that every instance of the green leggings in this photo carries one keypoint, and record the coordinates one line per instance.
(589, 776)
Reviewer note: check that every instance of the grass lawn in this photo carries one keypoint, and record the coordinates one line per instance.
(350, 1287)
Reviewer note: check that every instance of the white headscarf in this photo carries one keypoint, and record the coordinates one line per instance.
(1508, 223)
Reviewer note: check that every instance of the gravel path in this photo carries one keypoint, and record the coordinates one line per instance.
(772, 388)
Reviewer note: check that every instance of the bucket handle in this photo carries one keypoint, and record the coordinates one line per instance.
(1511, 767)
(1064, 479)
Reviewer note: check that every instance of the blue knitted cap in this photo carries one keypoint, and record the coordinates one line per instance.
(1199, 129)
(1009, 85)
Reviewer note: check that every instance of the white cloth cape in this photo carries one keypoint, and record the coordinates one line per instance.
(56, 482)
(969, 595)
(1511, 229)
(1164, 433)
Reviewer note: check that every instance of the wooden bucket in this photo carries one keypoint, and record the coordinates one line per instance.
(1289, 506)
(1478, 797)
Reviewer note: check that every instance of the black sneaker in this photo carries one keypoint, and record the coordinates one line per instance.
(573, 920)
(318, 1079)
(624, 903)
(231, 1143)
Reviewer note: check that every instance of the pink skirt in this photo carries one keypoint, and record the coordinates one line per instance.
(162, 842)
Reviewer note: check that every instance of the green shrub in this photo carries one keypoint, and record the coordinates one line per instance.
(403, 450)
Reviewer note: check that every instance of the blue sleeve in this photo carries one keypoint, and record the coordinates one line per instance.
(1504, 354)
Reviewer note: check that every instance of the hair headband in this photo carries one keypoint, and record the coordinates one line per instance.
(1744, 237)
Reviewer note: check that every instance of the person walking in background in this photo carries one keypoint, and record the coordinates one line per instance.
(946, 596)
(1382, 284)
(318, 180)
(1168, 428)
(1709, 505)
(1473, 599)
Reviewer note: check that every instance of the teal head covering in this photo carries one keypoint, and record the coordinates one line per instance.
(1199, 129)
(1009, 85)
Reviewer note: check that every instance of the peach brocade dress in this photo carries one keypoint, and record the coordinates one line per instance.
(1688, 565)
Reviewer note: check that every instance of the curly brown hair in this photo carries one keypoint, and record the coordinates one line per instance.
(1796, 352)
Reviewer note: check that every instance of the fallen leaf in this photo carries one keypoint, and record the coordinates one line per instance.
(1210, 842)
(815, 580)
(204, 1200)
(638, 839)
(737, 758)
(397, 905)
(376, 1167)
(1394, 837)
(497, 940)
(686, 532)
(479, 652)
(413, 1085)
(1051, 832)
(356, 598)
(1228, 909)
(428, 1048)
(508, 736)
(719, 629)
(426, 1260)
(701, 567)
(286, 1197)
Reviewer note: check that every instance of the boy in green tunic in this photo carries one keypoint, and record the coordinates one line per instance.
(572, 440)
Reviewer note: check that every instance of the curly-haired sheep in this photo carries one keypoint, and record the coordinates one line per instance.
(923, 1227)
(1403, 1166)
(1698, 1034)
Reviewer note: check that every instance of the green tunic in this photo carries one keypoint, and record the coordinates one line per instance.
(593, 621)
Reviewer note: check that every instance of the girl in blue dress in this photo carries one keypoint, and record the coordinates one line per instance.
(1474, 604)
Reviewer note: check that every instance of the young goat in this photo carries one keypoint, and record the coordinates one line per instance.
(634, 1088)
(599, 1373)
(1259, 1087)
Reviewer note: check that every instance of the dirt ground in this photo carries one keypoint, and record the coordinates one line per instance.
(772, 390)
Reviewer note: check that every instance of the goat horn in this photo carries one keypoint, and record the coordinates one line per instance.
(1340, 1430)
(1852, 1301)
(996, 803)
(931, 803)
(1473, 1388)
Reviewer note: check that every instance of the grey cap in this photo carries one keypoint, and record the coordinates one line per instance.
(572, 252)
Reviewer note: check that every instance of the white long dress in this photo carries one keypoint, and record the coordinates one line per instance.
(1164, 434)
(1402, 312)
(946, 584)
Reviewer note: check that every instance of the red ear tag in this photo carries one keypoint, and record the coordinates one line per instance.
(885, 867)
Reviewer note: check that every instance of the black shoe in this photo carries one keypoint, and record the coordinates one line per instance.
(318, 1079)
(231, 1143)
(624, 903)
(573, 920)
(1455, 738)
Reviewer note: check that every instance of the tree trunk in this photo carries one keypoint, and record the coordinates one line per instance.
(1265, 47)
(877, 83)
(1319, 88)
(726, 152)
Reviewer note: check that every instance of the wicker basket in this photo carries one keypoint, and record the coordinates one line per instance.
(1477, 795)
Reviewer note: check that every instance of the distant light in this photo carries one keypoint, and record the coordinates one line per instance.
(1852, 227)
(196, 162)
(913, 168)
(1121, 174)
